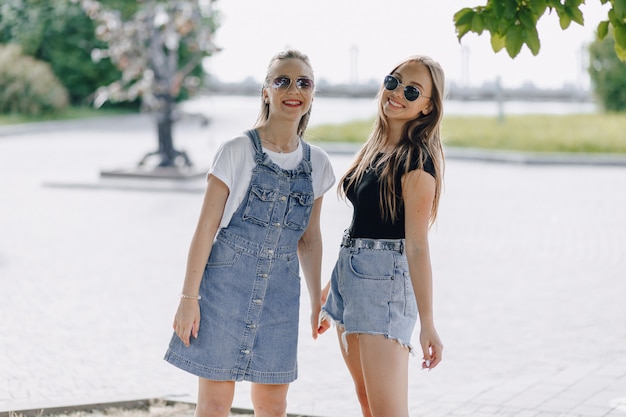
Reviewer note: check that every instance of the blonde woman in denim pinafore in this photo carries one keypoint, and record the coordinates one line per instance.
(238, 314)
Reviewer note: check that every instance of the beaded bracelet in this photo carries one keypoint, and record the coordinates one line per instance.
(191, 297)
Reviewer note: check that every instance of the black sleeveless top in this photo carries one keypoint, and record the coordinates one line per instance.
(368, 221)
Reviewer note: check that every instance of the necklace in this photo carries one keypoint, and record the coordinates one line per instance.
(289, 148)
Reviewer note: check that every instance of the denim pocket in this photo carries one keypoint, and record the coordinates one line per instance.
(293, 265)
(222, 254)
(259, 205)
(372, 264)
(298, 210)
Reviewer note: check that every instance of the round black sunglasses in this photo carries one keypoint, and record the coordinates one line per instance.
(410, 93)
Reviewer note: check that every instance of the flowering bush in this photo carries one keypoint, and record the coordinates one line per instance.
(28, 86)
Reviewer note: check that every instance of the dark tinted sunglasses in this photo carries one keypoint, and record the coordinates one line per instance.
(410, 93)
(283, 83)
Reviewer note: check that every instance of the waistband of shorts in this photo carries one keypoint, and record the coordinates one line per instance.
(375, 244)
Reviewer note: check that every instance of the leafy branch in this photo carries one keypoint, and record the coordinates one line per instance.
(513, 23)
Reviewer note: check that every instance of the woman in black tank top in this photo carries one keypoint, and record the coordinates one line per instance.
(382, 282)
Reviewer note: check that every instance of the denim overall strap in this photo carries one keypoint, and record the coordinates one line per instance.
(305, 166)
(259, 155)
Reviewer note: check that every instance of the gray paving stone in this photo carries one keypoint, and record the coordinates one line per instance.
(529, 264)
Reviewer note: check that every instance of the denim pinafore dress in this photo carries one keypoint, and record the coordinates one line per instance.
(251, 284)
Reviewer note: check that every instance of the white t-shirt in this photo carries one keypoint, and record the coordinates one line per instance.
(234, 162)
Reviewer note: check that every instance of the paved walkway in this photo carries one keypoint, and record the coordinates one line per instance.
(529, 262)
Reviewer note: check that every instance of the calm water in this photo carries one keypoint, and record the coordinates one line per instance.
(338, 110)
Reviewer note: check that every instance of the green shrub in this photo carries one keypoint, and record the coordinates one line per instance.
(28, 86)
(60, 33)
(608, 74)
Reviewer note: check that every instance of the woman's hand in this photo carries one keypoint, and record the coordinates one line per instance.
(432, 347)
(187, 320)
(318, 326)
(322, 324)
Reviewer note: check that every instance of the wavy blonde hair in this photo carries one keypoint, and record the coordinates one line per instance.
(264, 112)
(421, 137)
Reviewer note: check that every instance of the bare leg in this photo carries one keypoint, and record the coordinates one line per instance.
(269, 400)
(353, 362)
(214, 398)
(385, 364)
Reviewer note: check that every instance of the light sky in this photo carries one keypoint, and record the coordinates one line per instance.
(376, 34)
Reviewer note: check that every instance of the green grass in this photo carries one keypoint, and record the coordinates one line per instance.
(593, 133)
(71, 113)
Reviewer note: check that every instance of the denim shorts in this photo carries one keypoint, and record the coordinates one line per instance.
(371, 291)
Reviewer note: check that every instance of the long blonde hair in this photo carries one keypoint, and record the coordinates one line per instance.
(421, 137)
(264, 112)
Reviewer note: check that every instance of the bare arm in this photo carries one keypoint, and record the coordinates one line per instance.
(310, 254)
(187, 319)
(418, 191)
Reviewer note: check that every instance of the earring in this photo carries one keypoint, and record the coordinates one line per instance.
(267, 101)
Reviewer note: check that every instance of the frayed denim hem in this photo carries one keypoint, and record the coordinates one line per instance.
(395, 339)
(344, 342)
(325, 316)
(338, 324)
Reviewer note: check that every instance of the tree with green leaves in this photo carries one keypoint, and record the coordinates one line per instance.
(513, 23)
(61, 34)
(159, 51)
(608, 74)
